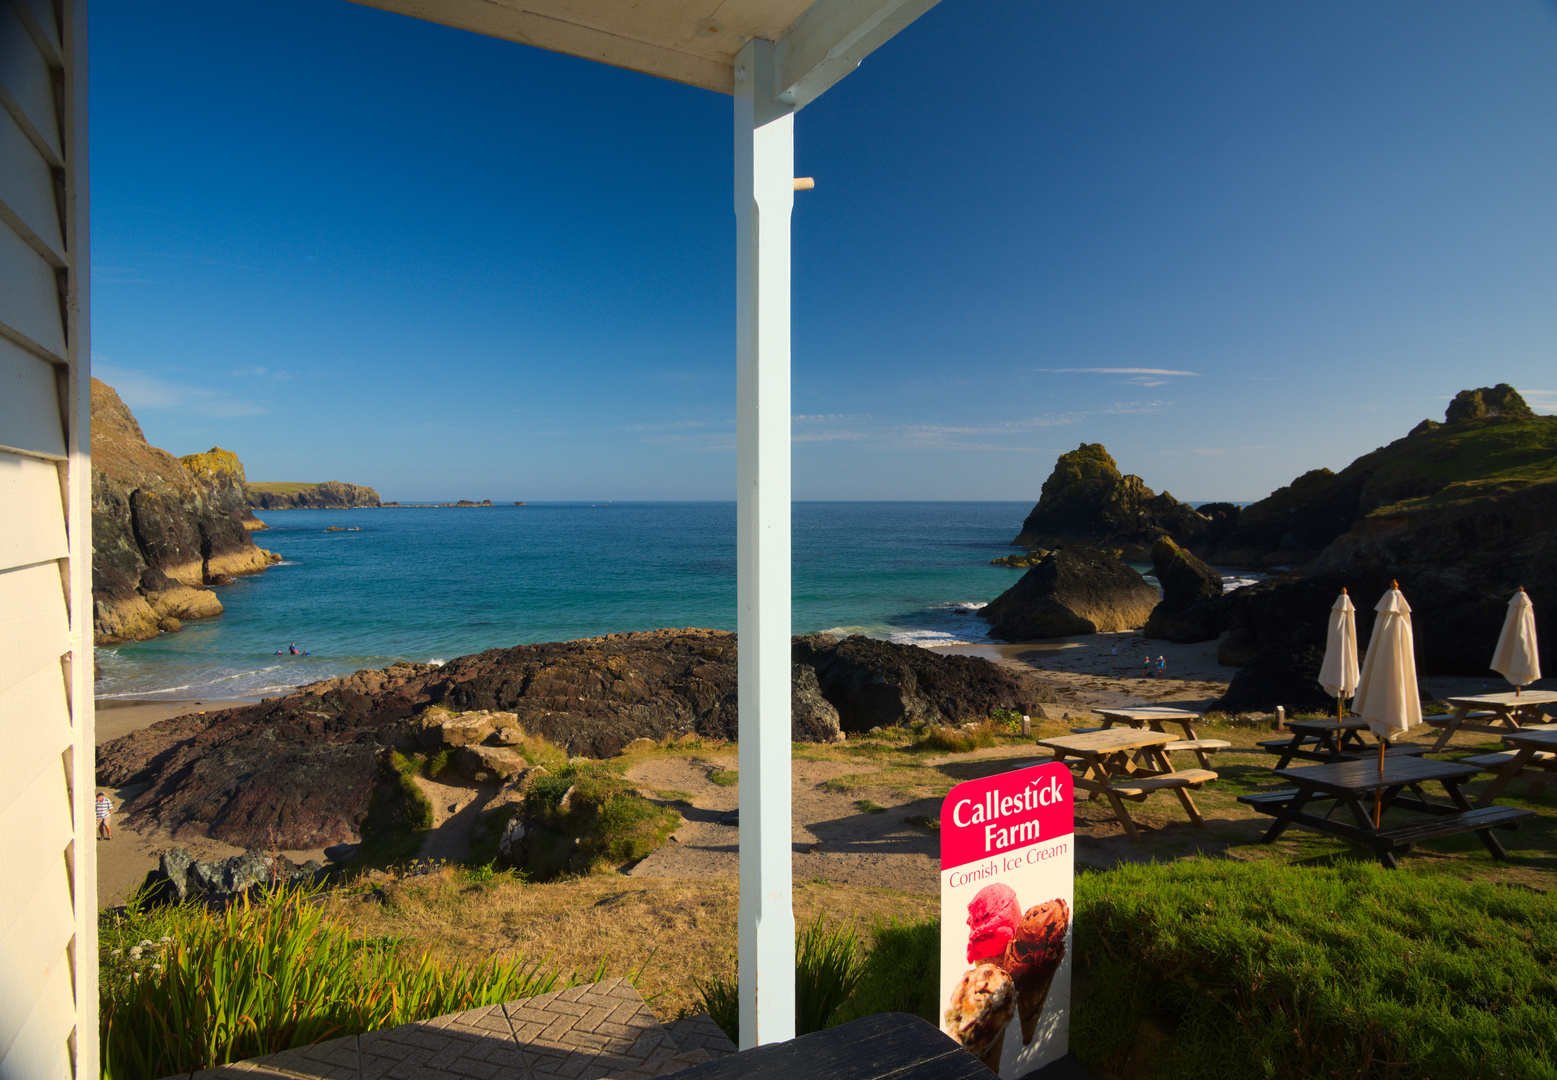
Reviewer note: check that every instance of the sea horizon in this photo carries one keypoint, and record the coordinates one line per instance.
(452, 581)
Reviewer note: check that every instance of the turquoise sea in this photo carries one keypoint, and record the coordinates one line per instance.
(431, 584)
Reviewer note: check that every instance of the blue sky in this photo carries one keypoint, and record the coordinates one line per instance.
(1230, 241)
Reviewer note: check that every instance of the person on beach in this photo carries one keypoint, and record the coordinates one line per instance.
(1162, 667)
(105, 807)
(1146, 668)
(1115, 653)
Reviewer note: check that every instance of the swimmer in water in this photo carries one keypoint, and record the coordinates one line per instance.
(295, 650)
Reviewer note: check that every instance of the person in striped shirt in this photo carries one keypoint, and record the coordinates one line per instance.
(105, 829)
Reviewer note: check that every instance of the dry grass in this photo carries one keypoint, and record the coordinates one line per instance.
(671, 930)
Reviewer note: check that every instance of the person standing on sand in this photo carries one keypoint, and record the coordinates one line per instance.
(1162, 667)
(105, 829)
(1146, 668)
(1115, 654)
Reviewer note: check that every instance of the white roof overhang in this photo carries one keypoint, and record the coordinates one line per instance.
(688, 41)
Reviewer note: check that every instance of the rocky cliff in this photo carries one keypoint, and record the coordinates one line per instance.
(302, 771)
(1460, 513)
(330, 495)
(1087, 499)
(162, 528)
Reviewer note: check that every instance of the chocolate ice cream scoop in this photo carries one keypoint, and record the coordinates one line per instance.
(982, 1006)
(1032, 958)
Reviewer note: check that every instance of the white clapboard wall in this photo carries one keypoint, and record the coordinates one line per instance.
(48, 865)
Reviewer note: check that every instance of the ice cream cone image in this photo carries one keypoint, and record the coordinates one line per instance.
(1032, 958)
(981, 1008)
(991, 1057)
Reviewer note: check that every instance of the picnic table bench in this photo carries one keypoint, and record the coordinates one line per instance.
(1155, 717)
(1350, 785)
(1496, 714)
(1127, 763)
(1533, 757)
(1329, 741)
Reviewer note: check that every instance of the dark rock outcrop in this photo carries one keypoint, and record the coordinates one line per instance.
(1074, 590)
(1086, 498)
(1288, 677)
(302, 771)
(1192, 607)
(162, 528)
(879, 683)
(330, 495)
(180, 878)
(1461, 514)
(812, 718)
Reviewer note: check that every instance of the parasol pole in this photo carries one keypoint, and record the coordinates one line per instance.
(1518, 690)
(1340, 712)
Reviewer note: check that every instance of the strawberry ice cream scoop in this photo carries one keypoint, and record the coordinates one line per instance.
(992, 920)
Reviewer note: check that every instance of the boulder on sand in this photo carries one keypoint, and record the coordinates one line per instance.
(1074, 590)
(1192, 608)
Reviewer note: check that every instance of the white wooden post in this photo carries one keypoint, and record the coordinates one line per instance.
(764, 196)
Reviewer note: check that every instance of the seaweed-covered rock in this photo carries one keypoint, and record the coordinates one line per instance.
(1074, 590)
(1191, 608)
(881, 684)
(1086, 498)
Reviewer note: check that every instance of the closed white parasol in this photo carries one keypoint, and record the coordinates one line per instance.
(1517, 658)
(1387, 695)
(1339, 675)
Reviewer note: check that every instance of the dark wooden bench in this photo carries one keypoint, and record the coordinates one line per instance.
(1401, 837)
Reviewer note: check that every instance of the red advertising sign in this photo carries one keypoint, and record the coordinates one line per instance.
(1007, 872)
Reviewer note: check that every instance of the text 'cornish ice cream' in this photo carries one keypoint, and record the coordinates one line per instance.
(994, 806)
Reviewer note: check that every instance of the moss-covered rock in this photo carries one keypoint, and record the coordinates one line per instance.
(582, 817)
(1087, 498)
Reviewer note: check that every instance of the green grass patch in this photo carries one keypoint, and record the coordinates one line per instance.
(902, 973)
(183, 988)
(724, 777)
(438, 762)
(584, 816)
(675, 795)
(1265, 970)
(945, 739)
(924, 821)
(866, 806)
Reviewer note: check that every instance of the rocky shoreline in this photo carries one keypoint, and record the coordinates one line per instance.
(303, 771)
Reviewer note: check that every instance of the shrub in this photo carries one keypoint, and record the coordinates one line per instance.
(585, 815)
(183, 988)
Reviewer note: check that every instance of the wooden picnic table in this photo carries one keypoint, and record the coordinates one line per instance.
(1127, 763)
(1329, 741)
(1534, 758)
(1155, 717)
(1351, 785)
(1496, 714)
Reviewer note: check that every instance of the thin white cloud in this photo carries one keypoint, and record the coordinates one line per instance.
(1540, 400)
(139, 390)
(1117, 371)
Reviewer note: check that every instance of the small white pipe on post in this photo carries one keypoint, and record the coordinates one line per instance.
(764, 198)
